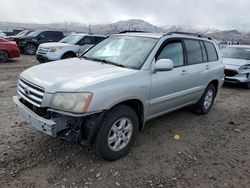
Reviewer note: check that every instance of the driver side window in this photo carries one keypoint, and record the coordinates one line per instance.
(173, 51)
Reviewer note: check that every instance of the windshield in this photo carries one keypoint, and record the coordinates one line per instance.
(128, 51)
(34, 33)
(22, 33)
(72, 39)
(237, 53)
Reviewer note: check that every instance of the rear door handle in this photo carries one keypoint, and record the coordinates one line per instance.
(184, 72)
(207, 67)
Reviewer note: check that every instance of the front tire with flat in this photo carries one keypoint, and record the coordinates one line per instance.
(117, 133)
(204, 105)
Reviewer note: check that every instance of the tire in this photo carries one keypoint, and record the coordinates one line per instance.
(68, 55)
(30, 49)
(3, 56)
(120, 142)
(204, 105)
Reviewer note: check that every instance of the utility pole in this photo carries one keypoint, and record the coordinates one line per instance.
(89, 28)
(65, 26)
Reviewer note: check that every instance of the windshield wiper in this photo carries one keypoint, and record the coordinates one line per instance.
(112, 63)
(104, 61)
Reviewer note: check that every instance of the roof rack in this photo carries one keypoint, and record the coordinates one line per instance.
(132, 31)
(191, 34)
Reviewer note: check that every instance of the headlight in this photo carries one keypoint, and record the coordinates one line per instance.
(54, 49)
(71, 102)
(244, 67)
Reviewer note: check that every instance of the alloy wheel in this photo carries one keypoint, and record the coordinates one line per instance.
(120, 134)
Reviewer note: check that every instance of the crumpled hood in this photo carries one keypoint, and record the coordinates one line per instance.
(54, 44)
(71, 74)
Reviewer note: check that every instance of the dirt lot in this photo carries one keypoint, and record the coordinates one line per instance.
(213, 150)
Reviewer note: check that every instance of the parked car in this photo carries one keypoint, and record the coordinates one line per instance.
(2, 34)
(19, 35)
(68, 47)
(106, 96)
(237, 64)
(28, 44)
(8, 49)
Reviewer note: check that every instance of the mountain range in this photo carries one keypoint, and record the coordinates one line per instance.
(134, 24)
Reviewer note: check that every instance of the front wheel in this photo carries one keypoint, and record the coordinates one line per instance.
(30, 49)
(204, 105)
(117, 133)
(3, 56)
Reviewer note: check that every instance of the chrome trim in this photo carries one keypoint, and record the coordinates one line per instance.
(30, 92)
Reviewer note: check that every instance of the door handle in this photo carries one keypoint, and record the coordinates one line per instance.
(184, 72)
(207, 67)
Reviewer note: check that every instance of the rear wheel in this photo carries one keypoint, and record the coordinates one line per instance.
(3, 56)
(204, 105)
(30, 49)
(117, 133)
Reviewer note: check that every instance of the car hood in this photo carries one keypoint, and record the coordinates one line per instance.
(72, 74)
(235, 62)
(54, 44)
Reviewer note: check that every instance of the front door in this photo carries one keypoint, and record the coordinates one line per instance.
(172, 89)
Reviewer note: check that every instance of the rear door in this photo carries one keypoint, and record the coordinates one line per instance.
(196, 68)
(212, 66)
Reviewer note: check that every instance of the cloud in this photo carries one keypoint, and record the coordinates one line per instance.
(206, 13)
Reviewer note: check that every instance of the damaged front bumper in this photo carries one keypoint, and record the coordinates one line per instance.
(51, 126)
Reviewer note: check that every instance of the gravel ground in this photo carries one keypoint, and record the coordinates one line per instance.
(213, 150)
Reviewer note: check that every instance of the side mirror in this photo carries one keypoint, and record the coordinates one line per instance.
(163, 65)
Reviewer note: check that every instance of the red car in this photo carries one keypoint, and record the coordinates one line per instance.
(8, 49)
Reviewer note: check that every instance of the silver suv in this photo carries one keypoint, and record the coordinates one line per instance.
(105, 97)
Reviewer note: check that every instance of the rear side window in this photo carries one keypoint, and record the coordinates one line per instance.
(211, 51)
(204, 53)
(173, 51)
(194, 53)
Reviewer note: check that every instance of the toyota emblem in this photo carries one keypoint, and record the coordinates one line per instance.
(27, 92)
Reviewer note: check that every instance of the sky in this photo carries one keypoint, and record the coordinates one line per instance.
(221, 14)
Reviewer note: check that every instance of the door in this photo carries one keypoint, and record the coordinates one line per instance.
(173, 89)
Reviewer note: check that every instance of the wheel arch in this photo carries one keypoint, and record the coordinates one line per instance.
(138, 106)
(69, 52)
(91, 124)
(32, 43)
(216, 84)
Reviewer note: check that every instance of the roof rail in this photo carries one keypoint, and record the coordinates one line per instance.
(191, 34)
(132, 31)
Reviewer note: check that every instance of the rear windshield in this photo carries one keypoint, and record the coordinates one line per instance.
(236, 52)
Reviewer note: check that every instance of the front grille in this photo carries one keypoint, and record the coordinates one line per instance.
(42, 50)
(30, 92)
(230, 73)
